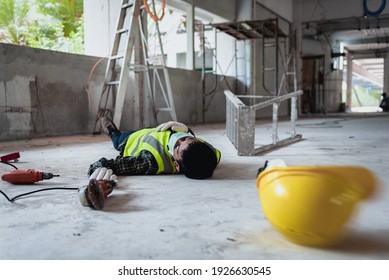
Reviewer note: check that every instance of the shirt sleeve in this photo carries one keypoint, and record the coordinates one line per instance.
(143, 164)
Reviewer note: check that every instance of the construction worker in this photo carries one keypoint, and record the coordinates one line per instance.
(167, 149)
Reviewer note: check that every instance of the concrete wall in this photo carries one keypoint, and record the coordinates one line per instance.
(44, 93)
(187, 87)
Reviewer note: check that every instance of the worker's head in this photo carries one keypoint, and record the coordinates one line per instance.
(193, 158)
(383, 94)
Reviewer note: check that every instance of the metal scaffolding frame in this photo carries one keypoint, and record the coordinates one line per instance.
(240, 118)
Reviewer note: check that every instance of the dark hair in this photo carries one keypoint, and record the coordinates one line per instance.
(198, 161)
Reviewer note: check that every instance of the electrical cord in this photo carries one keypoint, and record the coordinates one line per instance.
(9, 164)
(154, 16)
(40, 190)
(32, 192)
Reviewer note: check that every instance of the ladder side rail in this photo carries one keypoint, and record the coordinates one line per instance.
(277, 60)
(162, 89)
(115, 46)
(277, 99)
(110, 74)
(124, 74)
(168, 85)
(145, 57)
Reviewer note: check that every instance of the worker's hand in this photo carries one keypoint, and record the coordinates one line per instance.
(101, 183)
(103, 173)
(98, 164)
(175, 126)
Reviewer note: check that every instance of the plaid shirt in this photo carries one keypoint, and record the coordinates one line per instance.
(143, 164)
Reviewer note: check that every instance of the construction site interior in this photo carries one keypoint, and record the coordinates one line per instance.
(298, 82)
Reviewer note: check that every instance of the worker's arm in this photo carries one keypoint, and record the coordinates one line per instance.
(144, 164)
(172, 125)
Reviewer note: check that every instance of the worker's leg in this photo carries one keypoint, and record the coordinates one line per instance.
(120, 137)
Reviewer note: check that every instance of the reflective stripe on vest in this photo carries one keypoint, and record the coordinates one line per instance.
(154, 142)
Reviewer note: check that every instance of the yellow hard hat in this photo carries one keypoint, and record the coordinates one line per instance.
(309, 205)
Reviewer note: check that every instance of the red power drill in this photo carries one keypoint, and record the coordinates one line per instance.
(29, 176)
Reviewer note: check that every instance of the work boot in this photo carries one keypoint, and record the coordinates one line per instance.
(108, 126)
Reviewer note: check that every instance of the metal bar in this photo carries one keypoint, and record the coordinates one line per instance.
(277, 99)
(293, 114)
(240, 122)
(279, 144)
(275, 123)
(145, 56)
(254, 96)
(232, 97)
(167, 80)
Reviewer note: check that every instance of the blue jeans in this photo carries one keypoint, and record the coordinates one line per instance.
(119, 138)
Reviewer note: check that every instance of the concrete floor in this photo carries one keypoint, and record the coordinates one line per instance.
(172, 217)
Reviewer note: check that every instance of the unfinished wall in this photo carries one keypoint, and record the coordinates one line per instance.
(195, 104)
(44, 93)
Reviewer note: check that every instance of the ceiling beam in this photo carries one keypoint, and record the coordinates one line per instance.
(347, 24)
(366, 75)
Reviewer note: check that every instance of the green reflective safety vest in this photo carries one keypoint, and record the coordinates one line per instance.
(156, 142)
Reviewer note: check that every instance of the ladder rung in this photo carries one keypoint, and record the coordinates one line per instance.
(165, 109)
(269, 69)
(102, 111)
(268, 45)
(113, 83)
(290, 73)
(116, 57)
(127, 5)
(123, 30)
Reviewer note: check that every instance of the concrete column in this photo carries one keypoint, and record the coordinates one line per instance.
(296, 34)
(190, 37)
(349, 82)
(386, 73)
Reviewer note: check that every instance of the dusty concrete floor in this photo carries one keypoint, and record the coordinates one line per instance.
(172, 217)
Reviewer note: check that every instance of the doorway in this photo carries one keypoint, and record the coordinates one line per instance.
(313, 100)
(366, 84)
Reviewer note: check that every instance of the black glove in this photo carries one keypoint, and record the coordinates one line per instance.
(98, 164)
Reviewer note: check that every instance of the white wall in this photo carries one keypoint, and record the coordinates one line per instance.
(100, 20)
(281, 7)
(222, 8)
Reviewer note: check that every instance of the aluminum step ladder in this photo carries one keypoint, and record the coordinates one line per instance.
(129, 28)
